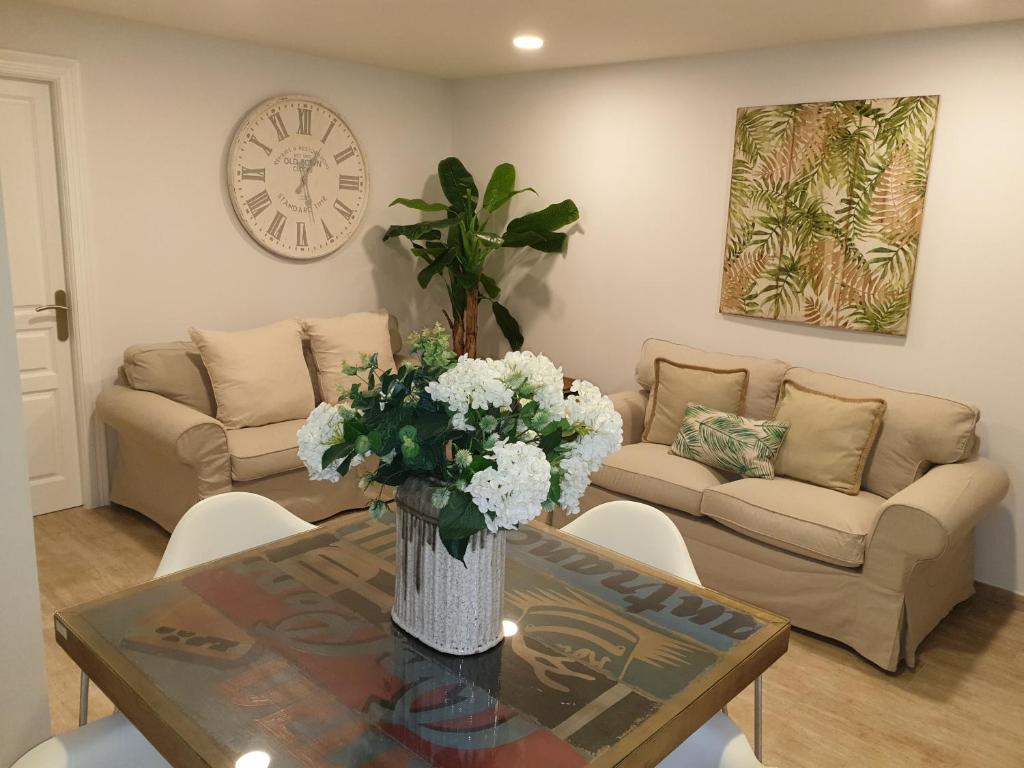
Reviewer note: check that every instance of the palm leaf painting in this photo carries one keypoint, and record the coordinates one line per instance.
(825, 211)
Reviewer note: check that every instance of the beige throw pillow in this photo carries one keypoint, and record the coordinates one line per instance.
(676, 385)
(829, 437)
(259, 376)
(339, 340)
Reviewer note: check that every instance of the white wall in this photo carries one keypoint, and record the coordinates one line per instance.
(161, 107)
(645, 149)
(160, 110)
(24, 713)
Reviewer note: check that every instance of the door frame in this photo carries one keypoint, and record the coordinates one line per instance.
(64, 80)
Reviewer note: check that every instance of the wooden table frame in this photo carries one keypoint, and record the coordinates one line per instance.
(185, 745)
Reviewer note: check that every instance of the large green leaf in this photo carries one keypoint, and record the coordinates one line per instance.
(432, 270)
(457, 522)
(555, 216)
(490, 286)
(491, 239)
(418, 203)
(509, 325)
(418, 230)
(548, 242)
(457, 184)
(458, 296)
(500, 187)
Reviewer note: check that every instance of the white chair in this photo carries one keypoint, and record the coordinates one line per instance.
(111, 742)
(646, 534)
(215, 527)
(225, 524)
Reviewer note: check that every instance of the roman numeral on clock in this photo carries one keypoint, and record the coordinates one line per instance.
(305, 120)
(257, 204)
(278, 122)
(300, 234)
(328, 131)
(254, 174)
(343, 209)
(327, 233)
(276, 228)
(348, 182)
(344, 155)
(260, 144)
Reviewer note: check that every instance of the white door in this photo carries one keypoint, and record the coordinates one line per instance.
(28, 170)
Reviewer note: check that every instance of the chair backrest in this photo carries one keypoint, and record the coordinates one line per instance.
(638, 531)
(225, 524)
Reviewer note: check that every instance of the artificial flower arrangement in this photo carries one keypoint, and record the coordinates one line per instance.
(496, 438)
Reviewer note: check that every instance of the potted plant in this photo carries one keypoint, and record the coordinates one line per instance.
(474, 447)
(457, 247)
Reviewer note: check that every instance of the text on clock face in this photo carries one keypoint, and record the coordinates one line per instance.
(299, 178)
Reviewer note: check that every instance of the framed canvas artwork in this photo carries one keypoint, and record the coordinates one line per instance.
(825, 211)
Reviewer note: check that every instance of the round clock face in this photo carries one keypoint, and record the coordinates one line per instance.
(297, 177)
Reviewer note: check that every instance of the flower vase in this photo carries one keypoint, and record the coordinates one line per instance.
(452, 607)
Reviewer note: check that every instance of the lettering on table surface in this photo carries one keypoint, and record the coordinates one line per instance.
(668, 605)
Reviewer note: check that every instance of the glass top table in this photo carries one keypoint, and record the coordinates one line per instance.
(289, 650)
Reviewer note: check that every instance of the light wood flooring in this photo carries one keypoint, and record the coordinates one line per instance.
(824, 706)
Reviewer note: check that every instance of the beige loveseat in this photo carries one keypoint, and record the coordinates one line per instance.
(172, 451)
(876, 571)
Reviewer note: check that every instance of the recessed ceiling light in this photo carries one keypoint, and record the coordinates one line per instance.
(528, 42)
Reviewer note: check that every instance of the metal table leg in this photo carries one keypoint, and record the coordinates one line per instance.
(83, 700)
(757, 717)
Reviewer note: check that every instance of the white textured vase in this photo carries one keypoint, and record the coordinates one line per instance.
(449, 606)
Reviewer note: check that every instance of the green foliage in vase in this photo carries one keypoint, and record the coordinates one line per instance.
(496, 438)
(825, 211)
(456, 248)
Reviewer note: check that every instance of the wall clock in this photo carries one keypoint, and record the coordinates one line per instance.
(297, 178)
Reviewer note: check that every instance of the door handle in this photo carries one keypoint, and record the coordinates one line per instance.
(60, 304)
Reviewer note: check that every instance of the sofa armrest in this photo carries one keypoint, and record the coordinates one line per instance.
(169, 428)
(631, 406)
(921, 521)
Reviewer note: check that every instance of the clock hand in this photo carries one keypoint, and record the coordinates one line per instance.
(309, 200)
(304, 175)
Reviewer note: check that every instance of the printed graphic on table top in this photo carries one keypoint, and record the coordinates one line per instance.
(291, 650)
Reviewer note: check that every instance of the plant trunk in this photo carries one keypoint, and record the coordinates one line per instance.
(464, 332)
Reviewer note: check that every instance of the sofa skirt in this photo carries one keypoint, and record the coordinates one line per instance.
(882, 625)
(163, 490)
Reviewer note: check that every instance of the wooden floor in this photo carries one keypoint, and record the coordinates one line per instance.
(824, 706)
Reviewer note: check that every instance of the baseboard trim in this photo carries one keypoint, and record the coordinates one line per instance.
(999, 595)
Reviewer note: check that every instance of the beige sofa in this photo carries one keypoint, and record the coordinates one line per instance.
(171, 450)
(876, 571)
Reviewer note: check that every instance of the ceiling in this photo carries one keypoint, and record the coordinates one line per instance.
(467, 38)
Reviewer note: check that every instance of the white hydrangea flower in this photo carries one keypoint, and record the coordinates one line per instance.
(323, 425)
(594, 415)
(470, 384)
(543, 375)
(514, 491)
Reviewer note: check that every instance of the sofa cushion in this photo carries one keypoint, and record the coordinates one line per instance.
(259, 376)
(647, 471)
(762, 385)
(336, 341)
(677, 385)
(729, 442)
(917, 431)
(174, 370)
(829, 437)
(817, 522)
(258, 452)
